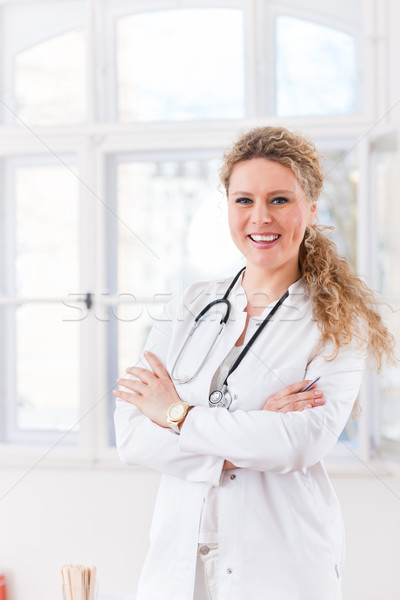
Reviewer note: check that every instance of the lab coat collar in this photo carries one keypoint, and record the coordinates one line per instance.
(297, 295)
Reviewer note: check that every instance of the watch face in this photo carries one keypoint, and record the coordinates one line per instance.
(176, 412)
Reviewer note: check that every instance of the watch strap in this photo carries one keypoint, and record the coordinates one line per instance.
(174, 424)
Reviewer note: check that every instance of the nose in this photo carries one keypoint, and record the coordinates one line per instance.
(261, 213)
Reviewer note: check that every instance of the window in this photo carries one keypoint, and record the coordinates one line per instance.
(169, 200)
(338, 203)
(177, 65)
(62, 61)
(114, 115)
(316, 69)
(388, 214)
(44, 63)
(42, 378)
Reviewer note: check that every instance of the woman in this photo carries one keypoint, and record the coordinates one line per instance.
(245, 508)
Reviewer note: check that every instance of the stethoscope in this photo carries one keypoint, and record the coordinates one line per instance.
(221, 397)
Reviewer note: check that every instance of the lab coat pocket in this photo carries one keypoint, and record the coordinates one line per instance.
(263, 384)
(329, 522)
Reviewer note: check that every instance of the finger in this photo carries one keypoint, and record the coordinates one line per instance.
(297, 407)
(293, 388)
(296, 401)
(158, 368)
(311, 395)
(128, 397)
(143, 374)
(293, 404)
(132, 384)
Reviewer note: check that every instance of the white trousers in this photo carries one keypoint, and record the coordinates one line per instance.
(206, 583)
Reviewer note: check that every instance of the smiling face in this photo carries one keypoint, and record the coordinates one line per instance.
(268, 213)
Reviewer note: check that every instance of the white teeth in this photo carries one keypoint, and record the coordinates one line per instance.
(264, 238)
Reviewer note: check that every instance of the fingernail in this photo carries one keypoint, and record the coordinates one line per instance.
(319, 400)
(318, 393)
(146, 352)
(308, 406)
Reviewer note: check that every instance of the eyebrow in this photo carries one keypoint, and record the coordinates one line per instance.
(269, 193)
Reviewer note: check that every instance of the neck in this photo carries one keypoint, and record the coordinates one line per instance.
(265, 286)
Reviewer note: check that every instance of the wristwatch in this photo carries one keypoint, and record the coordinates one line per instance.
(176, 414)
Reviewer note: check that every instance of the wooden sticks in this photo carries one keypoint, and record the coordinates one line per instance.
(79, 582)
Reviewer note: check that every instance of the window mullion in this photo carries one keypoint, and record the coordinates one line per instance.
(252, 58)
(88, 333)
(266, 50)
(106, 187)
(366, 236)
(91, 61)
(10, 378)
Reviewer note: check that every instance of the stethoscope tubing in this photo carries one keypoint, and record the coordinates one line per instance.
(197, 321)
(185, 379)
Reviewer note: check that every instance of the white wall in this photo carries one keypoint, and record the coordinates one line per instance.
(102, 517)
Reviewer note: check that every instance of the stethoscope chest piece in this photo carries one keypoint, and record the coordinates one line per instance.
(220, 398)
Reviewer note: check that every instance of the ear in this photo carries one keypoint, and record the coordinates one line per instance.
(313, 214)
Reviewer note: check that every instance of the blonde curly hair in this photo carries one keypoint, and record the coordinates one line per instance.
(343, 305)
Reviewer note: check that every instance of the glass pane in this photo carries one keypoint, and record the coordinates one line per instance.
(50, 81)
(180, 65)
(388, 217)
(134, 324)
(46, 215)
(47, 372)
(388, 213)
(316, 69)
(338, 203)
(165, 208)
(389, 380)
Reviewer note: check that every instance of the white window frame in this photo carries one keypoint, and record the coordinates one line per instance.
(95, 140)
(384, 138)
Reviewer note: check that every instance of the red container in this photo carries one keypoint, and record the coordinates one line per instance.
(3, 587)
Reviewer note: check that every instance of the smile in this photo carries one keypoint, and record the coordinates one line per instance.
(264, 238)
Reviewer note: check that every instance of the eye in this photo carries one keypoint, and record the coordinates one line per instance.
(279, 200)
(243, 201)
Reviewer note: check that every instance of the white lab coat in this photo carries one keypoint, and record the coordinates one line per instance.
(279, 521)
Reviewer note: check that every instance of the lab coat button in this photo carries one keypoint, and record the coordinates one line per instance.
(233, 476)
(229, 571)
(235, 396)
(204, 550)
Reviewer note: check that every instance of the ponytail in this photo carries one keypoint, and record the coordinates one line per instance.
(343, 305)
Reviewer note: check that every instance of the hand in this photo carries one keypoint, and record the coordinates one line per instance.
(152, 393)
(292, 399)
